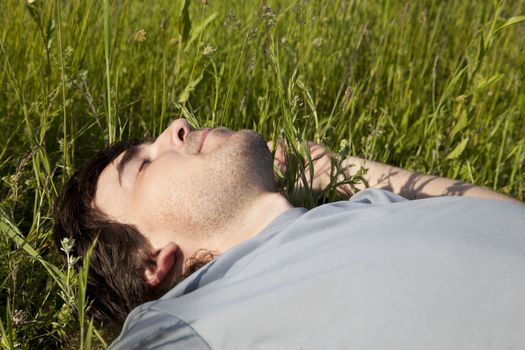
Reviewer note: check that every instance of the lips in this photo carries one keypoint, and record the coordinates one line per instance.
(202, 137)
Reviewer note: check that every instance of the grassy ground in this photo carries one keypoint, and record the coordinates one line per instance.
(433, 86)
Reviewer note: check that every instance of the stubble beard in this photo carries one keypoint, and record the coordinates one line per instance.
(236, 173)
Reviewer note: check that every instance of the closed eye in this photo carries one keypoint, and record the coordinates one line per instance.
(144, 164)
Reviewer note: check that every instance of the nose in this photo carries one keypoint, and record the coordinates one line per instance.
(180, 129)
(174, 136)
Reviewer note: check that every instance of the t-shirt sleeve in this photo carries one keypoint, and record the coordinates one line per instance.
(149, 328)
(376, 196)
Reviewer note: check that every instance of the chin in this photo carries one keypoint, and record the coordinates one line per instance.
(248, 159)
(259, 158)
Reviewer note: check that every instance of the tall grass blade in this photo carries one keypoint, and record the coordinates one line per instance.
(107, 53)
(9, 230)
(510, 22)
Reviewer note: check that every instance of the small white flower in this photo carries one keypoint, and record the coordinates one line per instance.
(19, 317)
(67, 245)
(209, 50)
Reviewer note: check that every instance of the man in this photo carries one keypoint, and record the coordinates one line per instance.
(377, 271)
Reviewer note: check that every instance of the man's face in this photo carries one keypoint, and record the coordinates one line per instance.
(186, 184)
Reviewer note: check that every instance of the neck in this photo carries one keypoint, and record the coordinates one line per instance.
(249, 222)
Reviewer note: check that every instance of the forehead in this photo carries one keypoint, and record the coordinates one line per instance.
(109, 194)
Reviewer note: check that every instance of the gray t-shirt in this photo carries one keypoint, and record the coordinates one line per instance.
(374, 272)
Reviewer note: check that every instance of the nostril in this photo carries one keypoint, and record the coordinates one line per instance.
(181, 133)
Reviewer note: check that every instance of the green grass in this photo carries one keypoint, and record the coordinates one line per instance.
(433, 86)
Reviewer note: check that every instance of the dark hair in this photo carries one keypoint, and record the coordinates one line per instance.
(116, 280)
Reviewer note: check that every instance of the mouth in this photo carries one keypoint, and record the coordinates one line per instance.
(202, 138)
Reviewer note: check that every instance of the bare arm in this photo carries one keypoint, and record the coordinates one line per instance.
(413, 185)
(406, 183)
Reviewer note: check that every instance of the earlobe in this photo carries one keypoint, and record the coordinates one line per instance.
(165, 264)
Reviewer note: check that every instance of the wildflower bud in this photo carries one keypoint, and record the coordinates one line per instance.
(461, 98)
(164, 24)
(348, 93)
(317, 42)
(344, 149)
(140, 36)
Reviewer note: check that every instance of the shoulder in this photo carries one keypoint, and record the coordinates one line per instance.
(148, 327)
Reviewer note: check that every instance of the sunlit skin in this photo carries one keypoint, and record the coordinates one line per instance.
(190, 190)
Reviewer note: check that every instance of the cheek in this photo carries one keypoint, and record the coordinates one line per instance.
(161, 200)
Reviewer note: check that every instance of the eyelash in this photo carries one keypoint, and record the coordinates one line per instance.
(144, 163)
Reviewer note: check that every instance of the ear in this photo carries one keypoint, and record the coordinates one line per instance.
(165, 263)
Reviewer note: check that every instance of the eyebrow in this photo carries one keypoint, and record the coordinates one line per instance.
(128, 156)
